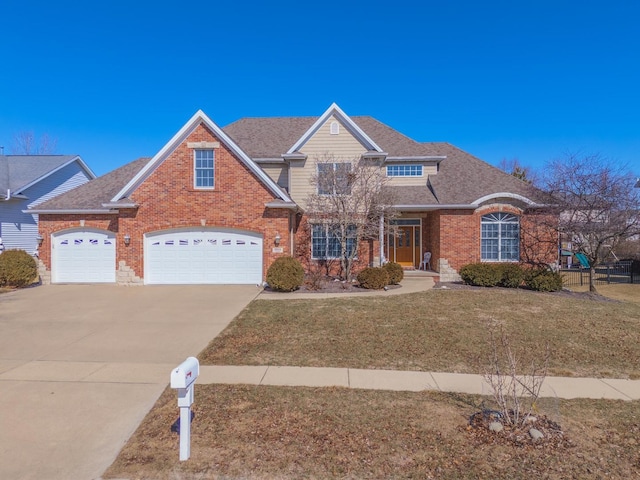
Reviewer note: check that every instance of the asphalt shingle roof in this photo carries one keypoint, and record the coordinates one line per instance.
(268, 137)
(461, 179)
(93, 194)
(17, 171)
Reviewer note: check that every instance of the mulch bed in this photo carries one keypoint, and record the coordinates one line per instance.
(330, 285)
(518, 436)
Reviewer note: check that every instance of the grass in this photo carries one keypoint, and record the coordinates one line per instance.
(623, 292)
(264, 432)
(440, 330)
(254, 432)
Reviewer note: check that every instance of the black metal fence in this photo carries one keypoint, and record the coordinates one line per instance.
(607, 273)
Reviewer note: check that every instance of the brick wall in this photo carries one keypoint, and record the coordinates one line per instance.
(458, 235)
(167, 199)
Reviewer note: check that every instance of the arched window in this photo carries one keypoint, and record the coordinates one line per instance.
(500, 237)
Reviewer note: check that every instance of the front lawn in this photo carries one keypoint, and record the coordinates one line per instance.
(439, 330)
(263, 432)
(259, 432)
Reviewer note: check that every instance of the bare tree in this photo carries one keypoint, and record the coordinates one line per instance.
(596, 204)
(346, 207)
(26, 143)
(515, 168)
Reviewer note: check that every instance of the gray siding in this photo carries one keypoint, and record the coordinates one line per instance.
(19, 230)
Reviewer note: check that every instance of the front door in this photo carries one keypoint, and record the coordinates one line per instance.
(404, 246)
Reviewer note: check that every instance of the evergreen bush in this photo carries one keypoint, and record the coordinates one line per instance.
(373, 278)
(285, 274)
(481, 274)
(395, 272)
(511, 275)
(543, 280)
(17, 269)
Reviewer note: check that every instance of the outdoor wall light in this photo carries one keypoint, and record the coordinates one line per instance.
(127, 239)
(276, 240)
(39, 239)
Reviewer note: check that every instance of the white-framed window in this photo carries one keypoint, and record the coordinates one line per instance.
(500, 237)
(334, 178)
(334, 128)
(404, 170)
(203, 169)
(326, 241)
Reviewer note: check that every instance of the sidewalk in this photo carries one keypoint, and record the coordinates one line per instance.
(555, 387)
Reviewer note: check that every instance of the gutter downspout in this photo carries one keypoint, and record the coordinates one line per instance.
(292, 222)
(8, 195)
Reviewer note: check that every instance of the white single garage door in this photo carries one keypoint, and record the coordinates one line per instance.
(203, 257)
(84, 256)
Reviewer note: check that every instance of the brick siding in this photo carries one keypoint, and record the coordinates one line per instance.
(167, 200)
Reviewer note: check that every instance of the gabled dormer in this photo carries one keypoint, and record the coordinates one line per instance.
(333, 137)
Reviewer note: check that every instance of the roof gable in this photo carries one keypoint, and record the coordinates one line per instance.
(19, 172)
(93, 195)
(348, 123)
(199, 118)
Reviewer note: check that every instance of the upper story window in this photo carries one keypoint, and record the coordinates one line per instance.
(404, 170)
(204, 169)
(334, 128)
(500, 237)
(334, 179)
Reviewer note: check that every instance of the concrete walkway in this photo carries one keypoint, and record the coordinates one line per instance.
(556, 387)
(81, 365)
(411, 381)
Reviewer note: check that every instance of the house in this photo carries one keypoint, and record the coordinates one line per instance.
(219, 205)
(25, 182)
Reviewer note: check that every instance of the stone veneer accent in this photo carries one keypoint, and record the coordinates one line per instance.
(447, 273)
(126, 276)
(45, 275)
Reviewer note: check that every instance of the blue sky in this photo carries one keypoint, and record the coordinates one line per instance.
(113, 81)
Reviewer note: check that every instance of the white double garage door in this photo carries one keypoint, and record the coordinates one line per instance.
(170, 257)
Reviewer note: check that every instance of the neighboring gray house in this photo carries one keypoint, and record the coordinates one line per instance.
(28, 180)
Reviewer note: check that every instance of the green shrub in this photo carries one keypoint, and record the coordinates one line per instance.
(511, 275)
(373, 278)
(17, 269)
(285, 274)
(543, 280)
(481, 274)
(395, 272)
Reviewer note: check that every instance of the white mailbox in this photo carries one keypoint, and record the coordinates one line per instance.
(185, 373)
(183, 378)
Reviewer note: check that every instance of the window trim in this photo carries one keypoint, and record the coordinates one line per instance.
(196, 169)
(500, 219)
(405, 170)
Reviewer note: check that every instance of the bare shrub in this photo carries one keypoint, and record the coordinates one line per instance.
(515, 385)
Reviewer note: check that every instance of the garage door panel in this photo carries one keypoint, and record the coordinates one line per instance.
(84, 257)
(203, 257)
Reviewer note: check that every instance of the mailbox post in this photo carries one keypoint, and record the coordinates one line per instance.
(183, 378)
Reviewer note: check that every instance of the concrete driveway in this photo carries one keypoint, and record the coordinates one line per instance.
(81, 365)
